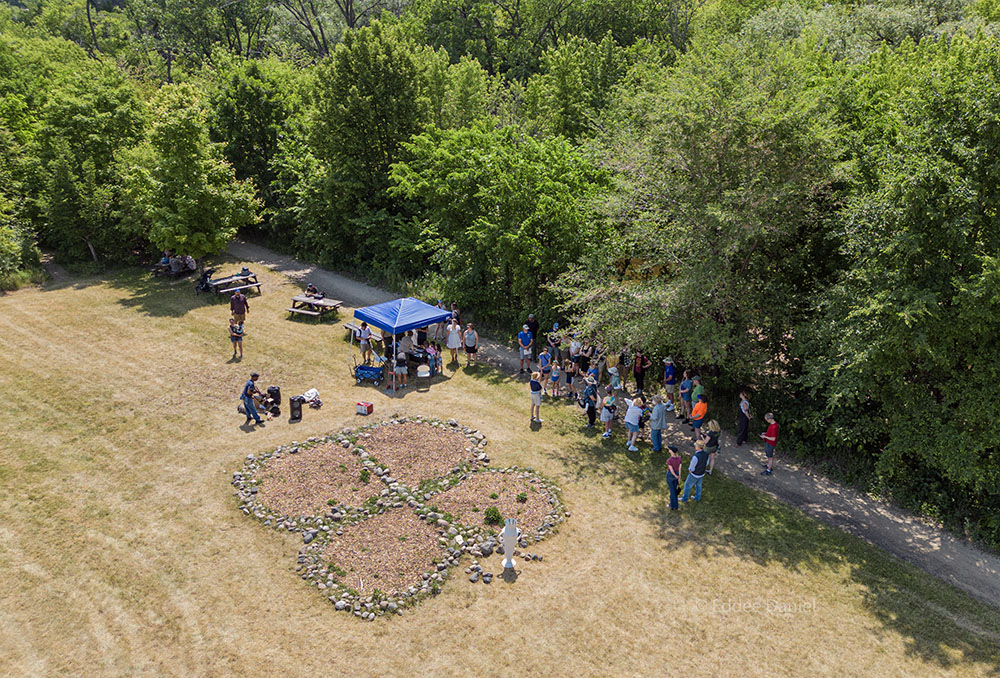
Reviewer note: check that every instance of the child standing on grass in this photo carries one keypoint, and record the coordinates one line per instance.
(554, 378)
(236, 336)
(535, 387)
(608, 407)
(545, 367)
(569, 368)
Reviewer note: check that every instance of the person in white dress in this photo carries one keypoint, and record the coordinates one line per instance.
(454, 339)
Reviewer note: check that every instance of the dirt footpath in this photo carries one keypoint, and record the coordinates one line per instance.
(900, 533)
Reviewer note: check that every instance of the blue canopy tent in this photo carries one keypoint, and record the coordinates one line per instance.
(400, 315)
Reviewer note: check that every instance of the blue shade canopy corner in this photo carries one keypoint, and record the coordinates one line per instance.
(400, 315)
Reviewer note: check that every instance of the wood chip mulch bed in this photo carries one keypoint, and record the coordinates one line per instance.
(463, 500)
(377, 548)
(416, 451)
(302, 484)
(388, 552)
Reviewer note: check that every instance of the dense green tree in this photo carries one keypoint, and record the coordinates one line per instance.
(724, 182)
(907, 338)
(249, 112)
(190, 194)
(502, 214)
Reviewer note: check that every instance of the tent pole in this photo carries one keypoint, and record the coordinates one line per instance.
(393, 363)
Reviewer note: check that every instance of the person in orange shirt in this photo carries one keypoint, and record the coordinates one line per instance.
(698, 415)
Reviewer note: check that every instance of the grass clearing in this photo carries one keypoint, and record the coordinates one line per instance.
(122, 551)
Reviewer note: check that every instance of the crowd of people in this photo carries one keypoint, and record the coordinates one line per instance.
(568, 365)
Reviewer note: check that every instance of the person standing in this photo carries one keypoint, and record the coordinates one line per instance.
(554, 378)
(524, 342)
(697, 389)
(698, 413)
(400, 371)
(696, 472)
(439, 328)
(712, 443)
(455, 314)
(669, 381)
(632, 417)
(364, 337)
(454, 339)
(249, 391)
(639, 366)
(608, 407)
(575, 346)
(236, 336)
(555, 343)
(590, 400)
(533, 327)
(743, 418)
(471, 345)
(586, 354)
(239, 306)
(770, 437)
(657, 422)
(686, 386)
(535, 387)
(545, 367)
(673, 475)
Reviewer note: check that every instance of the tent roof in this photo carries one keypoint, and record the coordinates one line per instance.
(401, 315)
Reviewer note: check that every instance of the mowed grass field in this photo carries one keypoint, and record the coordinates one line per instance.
(122, 552)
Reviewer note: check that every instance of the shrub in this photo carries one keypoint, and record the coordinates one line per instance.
(493, 516)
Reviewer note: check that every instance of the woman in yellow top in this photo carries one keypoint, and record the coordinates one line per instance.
(698, 415)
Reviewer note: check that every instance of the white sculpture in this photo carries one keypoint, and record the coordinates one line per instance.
(509, 542)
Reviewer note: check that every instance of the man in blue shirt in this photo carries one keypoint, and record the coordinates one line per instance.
(670, 381)
(249, 389)
(524, 341)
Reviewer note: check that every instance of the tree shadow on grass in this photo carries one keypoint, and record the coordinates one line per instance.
(939, 624)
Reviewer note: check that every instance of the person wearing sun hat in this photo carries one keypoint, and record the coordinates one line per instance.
(524, 342)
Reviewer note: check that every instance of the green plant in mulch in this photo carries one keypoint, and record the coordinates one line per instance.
(492, 516)
(365, 475)
(522, 497)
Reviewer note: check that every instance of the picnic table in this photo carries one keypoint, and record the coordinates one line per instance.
(313, 306)
(233, 283)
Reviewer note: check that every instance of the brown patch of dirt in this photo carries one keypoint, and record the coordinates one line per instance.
(414, 451)
(474, 492)
(301, 484)
(387, 552)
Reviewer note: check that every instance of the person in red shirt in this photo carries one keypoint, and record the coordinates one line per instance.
(770, 437)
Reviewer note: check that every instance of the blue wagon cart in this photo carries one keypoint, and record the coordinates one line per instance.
(372, 373)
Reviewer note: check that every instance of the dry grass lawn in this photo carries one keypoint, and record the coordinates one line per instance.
(122, 551)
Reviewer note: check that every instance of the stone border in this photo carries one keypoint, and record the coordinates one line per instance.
(455, 538)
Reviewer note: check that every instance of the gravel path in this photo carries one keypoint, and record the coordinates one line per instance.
(899, 532)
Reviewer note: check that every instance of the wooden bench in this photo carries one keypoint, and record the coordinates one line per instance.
(304, 311)
(352, 328)
(241, 287)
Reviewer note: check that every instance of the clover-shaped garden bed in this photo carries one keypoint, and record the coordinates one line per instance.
(386, 509)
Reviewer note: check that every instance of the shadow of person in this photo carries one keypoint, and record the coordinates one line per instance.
(249, 428)
(509, 575)
(536, 425)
